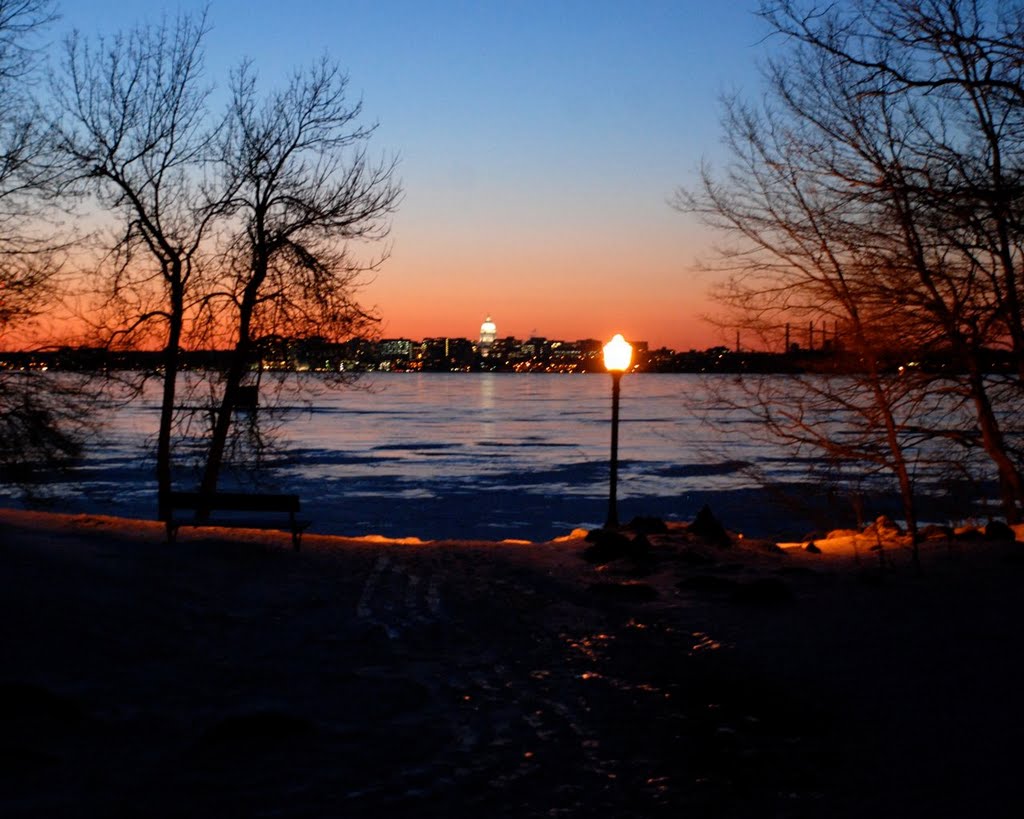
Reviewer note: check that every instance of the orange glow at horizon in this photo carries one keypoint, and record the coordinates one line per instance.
(664, 314)
(677, 321)
(585, 286)
(567, 283)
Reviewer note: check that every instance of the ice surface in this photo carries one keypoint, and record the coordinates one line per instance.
(488, 456)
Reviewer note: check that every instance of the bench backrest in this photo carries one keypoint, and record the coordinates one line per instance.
(234, 501)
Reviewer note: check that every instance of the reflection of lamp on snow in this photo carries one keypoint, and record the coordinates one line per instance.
(617, 357)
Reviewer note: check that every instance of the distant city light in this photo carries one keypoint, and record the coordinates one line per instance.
(490, 353)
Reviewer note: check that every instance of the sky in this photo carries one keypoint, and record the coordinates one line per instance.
(539, 145)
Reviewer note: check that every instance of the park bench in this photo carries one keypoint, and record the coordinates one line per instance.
(246, 510)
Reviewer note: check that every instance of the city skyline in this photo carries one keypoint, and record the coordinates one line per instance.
(539, 146)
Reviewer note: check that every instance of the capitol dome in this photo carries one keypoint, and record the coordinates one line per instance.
(488, 332)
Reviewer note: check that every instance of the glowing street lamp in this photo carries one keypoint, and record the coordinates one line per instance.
(617, 357)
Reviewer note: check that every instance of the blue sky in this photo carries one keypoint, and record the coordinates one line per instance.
(539, 143)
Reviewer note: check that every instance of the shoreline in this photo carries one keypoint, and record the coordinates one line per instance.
(230, 675)
(791, 513)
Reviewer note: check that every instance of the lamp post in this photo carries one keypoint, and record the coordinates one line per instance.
(617, 356)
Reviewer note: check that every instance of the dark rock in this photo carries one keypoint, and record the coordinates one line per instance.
(640, 546)
(640, 553)
(884, 525)
(611, 546)
(812, 548)
(934, 532)
(607, 545)
(969, 534)
(708, 527)
(624, 592)
(765, 591)
(648, 525)
(997, 530)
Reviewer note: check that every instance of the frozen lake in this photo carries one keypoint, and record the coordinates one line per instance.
(490, 456)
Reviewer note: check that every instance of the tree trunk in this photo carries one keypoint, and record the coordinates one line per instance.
(906, 484)
(233, 379)
(1011, 485)
(163, 442)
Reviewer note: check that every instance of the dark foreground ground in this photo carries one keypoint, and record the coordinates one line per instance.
(230, 676)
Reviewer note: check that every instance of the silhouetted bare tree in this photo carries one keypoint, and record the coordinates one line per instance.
(303, 193)
(948, 154)
(136, 135)
(804, 251)
(42, 417)
(27, 262)
(229, 228)
(878, 185)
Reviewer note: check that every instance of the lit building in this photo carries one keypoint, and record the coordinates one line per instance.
(395, 354)
(447, 354)
(488, 332)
